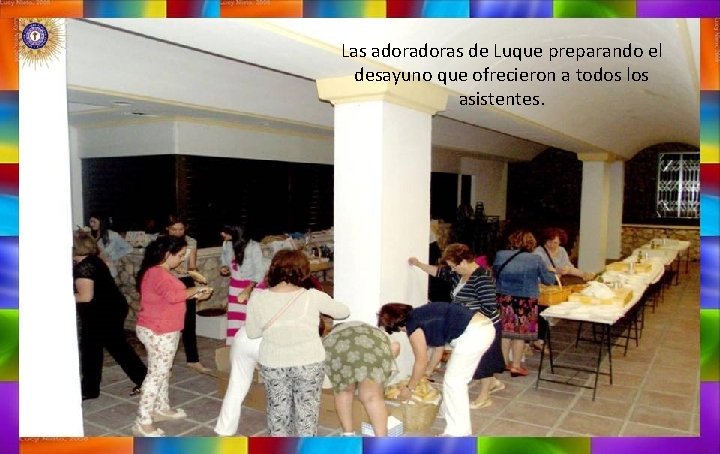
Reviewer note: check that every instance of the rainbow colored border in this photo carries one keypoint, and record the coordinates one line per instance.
(709, 440)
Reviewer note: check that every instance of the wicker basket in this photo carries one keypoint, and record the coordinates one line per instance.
(416, 417)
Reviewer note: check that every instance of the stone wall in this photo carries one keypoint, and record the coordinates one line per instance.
(635, 235)
(208, 265)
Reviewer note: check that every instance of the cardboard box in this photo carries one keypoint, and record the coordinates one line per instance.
(395, 428)
(622, 297)
(624, 267)
(552, 294)
(255, 398)
(222, 364)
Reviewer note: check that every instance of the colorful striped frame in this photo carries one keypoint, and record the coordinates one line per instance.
(709, 440)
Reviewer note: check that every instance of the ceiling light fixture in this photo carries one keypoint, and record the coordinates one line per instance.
(122, 103)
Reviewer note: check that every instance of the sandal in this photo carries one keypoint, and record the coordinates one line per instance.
(198, 367)
(518, 372)
(140, 432)
(497, 386)
(475, 404)
(168, 415)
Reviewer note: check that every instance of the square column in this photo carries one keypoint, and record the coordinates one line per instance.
(50, 399)
(594, 209)
(382, 191)
(616, 175)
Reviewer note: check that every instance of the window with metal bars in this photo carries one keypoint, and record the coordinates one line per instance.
(678, 185)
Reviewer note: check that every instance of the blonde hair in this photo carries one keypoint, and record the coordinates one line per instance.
(84, 244)
(523, 240)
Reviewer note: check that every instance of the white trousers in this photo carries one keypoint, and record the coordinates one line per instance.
(243, 358)
(466, 354)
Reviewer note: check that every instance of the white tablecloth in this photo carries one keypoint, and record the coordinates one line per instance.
(608, 313)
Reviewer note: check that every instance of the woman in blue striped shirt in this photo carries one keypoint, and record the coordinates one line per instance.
(473, 287)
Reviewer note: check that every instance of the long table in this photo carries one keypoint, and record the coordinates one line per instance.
(676, 248)
(606, 316)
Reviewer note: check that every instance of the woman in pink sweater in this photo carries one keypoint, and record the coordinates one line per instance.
(159, 323)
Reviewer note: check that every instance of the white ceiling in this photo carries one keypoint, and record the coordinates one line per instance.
(262, 72)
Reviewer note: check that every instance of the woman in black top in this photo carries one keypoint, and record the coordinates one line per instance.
(473, 287)
(434, 325)
(102, 310)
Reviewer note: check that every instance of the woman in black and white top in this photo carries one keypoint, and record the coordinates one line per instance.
(473, 287)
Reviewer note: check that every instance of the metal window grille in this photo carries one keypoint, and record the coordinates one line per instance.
(678, 185)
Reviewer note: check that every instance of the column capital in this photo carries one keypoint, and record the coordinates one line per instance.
(422, 96)
(600, 156)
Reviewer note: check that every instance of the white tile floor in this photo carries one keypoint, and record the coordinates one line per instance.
(655, 392)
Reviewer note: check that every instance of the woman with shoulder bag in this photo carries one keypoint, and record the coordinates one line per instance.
(517, 272)
(291, 352)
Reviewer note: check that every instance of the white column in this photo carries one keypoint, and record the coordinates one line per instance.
(593, 215)
(382, 191)
(616, 171)
(50, 401)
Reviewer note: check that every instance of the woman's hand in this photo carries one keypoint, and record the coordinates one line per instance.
(245, 294)
(224, 271)
(203, 293)
(405, 394)
(413, 261)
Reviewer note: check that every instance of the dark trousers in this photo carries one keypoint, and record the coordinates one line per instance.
(189, 338)
(98, 331)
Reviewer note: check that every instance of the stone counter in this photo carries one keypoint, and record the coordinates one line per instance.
(635, 235)
(208, 265)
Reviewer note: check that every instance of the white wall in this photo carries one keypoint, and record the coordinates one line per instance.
(137, 139)
(76, 179)
(445, 161)
(490, 183)
(204, 139)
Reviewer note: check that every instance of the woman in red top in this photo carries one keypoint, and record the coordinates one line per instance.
(159, 323)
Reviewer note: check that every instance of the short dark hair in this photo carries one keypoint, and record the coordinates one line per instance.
(288, 266)
(176, 219)
(552, 232)
(456, 253)
(393, 316)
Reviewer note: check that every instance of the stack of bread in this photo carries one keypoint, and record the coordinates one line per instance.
(423, 392)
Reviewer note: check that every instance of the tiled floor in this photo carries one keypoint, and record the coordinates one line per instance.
(655, 390)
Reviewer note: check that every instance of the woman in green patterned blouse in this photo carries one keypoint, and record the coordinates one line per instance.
(360, 355)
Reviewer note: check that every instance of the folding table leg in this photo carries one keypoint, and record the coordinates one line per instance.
(550, 350)
(577, 337)
(599, 358)
(609, 347)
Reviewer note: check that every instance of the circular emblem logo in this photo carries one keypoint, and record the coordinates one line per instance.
(35, 35)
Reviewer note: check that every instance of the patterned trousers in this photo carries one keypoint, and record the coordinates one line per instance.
(293, 399)
(161, 349)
